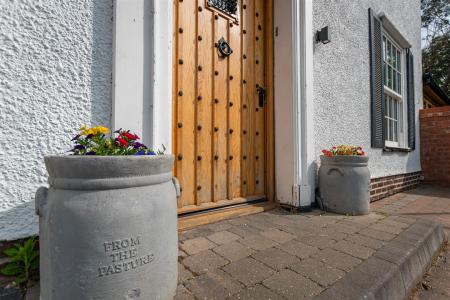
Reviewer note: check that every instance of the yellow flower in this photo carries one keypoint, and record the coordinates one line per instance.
(84, 130)
(100, 129)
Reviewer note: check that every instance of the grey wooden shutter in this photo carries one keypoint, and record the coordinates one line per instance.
(376, 81)
(411, 102)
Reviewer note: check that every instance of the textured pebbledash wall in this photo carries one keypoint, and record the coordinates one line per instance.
(55, 74)
(342, 78)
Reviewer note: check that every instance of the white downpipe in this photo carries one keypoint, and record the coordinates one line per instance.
(302, 37)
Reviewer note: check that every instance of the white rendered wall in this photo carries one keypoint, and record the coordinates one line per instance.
(342, 78)
(55, 74)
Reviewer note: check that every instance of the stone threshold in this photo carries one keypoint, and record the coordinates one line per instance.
(394, 270)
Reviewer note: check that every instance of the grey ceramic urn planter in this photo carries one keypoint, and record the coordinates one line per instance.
(344, 184)
(108, 228)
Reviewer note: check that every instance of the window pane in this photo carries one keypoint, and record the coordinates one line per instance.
(389, 82)
(399, 82)
(386, 104)
(395, 113)
(394, 81)
(395, 137)
(389, 49)
(384, 48)
(391, 129)
(399, 60)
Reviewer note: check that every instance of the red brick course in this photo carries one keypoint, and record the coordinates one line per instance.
(383, 187)
(435, 144)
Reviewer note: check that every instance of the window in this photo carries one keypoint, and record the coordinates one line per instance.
(393, 113)
(393, 56)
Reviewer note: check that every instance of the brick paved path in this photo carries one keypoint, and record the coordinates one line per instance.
(434, 203)
(277, 255)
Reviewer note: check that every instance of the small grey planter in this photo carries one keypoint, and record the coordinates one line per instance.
(108, 228)
(344, 184)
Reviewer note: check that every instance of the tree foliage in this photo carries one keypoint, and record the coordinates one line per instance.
(436, 53)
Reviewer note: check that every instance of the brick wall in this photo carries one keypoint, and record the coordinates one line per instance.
(386, 186)
(435, 144)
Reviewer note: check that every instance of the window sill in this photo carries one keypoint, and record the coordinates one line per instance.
(399, 149)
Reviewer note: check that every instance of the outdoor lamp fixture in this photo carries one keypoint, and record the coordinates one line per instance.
(322, 36)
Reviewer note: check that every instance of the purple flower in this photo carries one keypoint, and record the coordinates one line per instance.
(141, 152)
(91, 153)
(79, 147)
(151, 153)
(137, 145)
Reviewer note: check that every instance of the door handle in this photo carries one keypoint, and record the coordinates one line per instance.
(262, 95)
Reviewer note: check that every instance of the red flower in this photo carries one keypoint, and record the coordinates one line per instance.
(122, 142)
(129, 136)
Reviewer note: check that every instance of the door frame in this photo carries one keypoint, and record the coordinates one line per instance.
(269, 113)
(142, 88)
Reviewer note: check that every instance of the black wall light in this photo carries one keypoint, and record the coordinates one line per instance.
(322, 36)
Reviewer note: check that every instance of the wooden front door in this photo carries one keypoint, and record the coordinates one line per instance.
(219, 110)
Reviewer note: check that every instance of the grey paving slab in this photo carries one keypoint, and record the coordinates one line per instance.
(298, 249)
(276, 258)
(318, 272)
(337, 259)
(204, 261)
(196, 245)
(234, 251)
(292, 285)
(377, 234)
(257, 292)
(365, 241)
(223, 237)
(258, 242)
(277, 235)
(183, 294)
(248, 271)
(355, 250)
(183, 273)
(206, 286)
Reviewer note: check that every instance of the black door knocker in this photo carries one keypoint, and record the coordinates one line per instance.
(224, 48)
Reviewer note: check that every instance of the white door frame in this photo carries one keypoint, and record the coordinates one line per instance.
(142, 85)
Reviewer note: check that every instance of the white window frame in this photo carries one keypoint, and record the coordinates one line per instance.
(401, 98)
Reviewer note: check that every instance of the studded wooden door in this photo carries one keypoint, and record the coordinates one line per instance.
(219, 128)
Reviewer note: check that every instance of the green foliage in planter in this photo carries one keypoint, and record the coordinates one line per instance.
(24, 261)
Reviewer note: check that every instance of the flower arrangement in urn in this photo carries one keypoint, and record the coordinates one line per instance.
(94, 141)
(111, 188)
(344, 150)
(344, 179)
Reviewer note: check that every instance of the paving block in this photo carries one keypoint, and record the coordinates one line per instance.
(196, 245)
(387, 228)
(183, 273)
(292, 285)
(257, 242)
(243, 230)
(337, 259)
(248, 271)
(204, 261)
(318, 272)
(365, 241)
(353, 249)
(377, 234)
(277, 235)
(298, 249)
(234, 251)
(183, 294)
(207, 287)
(223, 237)
(257, 292)
(276, 258)
(318, 241)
